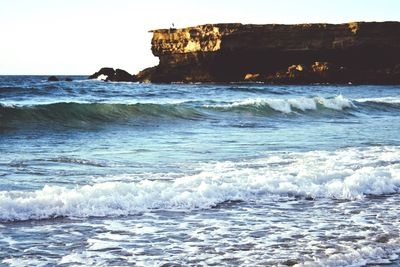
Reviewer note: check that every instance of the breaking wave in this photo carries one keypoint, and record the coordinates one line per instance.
(287, 105)
(66, 112)
(353, 173)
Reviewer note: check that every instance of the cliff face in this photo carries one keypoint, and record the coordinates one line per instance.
(360, 52)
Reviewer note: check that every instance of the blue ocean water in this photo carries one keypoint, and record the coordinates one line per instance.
(115, 174)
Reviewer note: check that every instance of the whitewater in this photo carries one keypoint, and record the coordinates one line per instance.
(120, 174)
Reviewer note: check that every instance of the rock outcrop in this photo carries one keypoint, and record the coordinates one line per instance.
(52, 79)
(109, 74)
(359, 52)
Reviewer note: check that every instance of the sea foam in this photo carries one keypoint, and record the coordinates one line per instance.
(343, 174)
(289, 105)
(388, 100)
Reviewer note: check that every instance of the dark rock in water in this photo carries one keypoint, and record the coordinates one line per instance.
(123, 76)
(358, 52)
(109, 74)
(68, 79)
(52, 79)
(103, 74)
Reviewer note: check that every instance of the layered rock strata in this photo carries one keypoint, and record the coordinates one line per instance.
(359, 52)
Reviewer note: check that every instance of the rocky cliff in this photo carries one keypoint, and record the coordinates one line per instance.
(359, 52)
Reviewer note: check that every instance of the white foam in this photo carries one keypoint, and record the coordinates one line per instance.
(356, 257)
(102, 77)
(23, 262)
(288, 105)
(279, 105)
(8, 105)
(388, 99)
(344, 174)
(303, 103)
(36, 102)
(338, 103)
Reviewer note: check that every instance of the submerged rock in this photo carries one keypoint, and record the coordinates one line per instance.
(109, 74)
(52, 79)
(359, 52)
(68, 79)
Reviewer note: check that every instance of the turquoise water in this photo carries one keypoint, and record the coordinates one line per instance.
(117, 174)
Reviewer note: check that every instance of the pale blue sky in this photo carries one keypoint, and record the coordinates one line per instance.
(80, 36)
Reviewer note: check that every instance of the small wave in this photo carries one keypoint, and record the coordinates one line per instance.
(258, 90)
(344, 174)
(380, 104)
(13, 90)
(65, 112)
(69, 160)
(388, 100)
(287, 105)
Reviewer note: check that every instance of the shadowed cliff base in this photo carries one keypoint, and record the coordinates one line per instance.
(359, 52)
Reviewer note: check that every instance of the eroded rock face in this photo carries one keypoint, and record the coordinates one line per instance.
(205, 38)
(360, 52)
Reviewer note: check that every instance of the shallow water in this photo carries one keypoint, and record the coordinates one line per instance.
(117, 174)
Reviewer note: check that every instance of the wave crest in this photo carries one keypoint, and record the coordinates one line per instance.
(287, 105)
(343, 174)
(70, 113)
(65, 112)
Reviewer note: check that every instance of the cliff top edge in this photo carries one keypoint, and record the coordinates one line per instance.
(240, 25)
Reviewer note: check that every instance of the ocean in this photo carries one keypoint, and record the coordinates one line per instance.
(98, 173)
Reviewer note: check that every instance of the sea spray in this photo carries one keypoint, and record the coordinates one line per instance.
(342, 174)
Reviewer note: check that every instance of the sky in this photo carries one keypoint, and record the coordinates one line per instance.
(51, 37)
